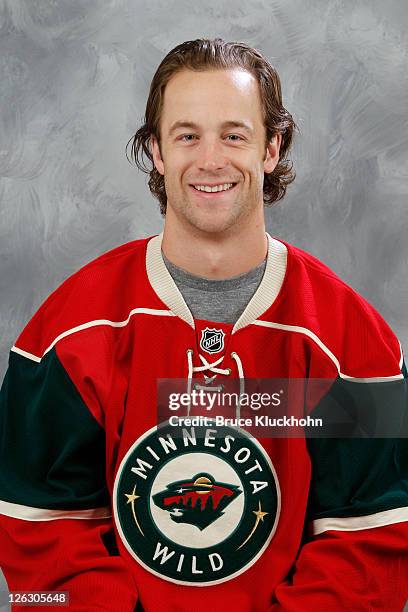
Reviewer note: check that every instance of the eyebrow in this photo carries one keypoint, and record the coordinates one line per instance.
(226, 124)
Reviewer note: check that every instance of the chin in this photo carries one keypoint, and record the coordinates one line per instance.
(209, 220)
(212, 226)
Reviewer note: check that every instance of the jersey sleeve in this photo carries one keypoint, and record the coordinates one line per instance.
(56, 532)
(355, 550)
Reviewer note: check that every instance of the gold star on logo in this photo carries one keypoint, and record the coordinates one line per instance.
(259, 514)
(259, 517)
(131, 496)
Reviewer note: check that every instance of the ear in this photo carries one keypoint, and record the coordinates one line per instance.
(157, 158)
(272, 154)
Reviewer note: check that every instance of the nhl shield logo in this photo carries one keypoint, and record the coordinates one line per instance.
(212, 340)
(198, 508)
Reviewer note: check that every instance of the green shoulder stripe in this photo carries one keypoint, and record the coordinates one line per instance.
(52, 450)
(364, 469)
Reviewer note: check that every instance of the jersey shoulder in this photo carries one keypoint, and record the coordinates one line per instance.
(344, 321)
(106, 288)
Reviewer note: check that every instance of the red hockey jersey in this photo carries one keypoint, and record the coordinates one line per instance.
(99, 502)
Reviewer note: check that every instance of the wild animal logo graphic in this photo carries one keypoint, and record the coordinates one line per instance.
(199, 501)
(190, 525)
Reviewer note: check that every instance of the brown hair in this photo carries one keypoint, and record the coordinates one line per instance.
(204, 54)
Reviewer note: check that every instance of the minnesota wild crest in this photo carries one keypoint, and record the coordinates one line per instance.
(198, 506)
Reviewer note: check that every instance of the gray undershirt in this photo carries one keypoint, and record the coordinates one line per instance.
(216, 300)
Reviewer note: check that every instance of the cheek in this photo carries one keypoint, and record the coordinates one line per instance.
(255, 171)
(249, 162)
(175, 177)
(178, 166)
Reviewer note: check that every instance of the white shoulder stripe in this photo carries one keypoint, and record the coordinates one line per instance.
(19, 351)
(26, 513)
(73, 330)
(401, 357)
(356, 523)
(326, 350)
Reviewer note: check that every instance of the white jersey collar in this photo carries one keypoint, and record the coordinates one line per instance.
(267, 292)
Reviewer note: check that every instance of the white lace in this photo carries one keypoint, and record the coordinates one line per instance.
(212, 367)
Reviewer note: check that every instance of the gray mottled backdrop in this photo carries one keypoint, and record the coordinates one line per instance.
(73, 82)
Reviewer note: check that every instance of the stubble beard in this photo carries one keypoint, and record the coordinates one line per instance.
(217, 223)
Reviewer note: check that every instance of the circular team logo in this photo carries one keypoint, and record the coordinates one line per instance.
(197, 506)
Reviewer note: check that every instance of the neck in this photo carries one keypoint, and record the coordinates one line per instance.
(215, 256)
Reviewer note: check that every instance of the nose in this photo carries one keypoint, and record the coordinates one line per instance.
(210, 156)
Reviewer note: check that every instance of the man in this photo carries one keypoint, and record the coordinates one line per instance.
(272, 524)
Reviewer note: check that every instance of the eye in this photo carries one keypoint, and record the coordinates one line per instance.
(234, 137)
(187, 137)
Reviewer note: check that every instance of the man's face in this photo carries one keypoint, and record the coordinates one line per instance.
(213, 138)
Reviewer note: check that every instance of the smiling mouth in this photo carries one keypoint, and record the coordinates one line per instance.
(214, 188)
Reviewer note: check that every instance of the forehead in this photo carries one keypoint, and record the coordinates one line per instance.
(211, 96)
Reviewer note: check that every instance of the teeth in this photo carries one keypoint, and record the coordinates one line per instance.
(209, 189)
